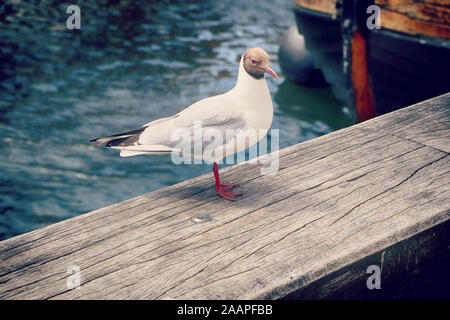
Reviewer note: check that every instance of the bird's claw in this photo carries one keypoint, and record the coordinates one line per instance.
(224, 191)
(228, 187)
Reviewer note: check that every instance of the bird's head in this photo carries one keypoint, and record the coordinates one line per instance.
(256, 63)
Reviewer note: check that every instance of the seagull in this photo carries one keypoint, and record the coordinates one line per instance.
(243, 110)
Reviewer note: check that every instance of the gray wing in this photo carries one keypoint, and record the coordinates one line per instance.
(218, 113)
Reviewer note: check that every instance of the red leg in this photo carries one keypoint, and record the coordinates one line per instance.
(223, 190)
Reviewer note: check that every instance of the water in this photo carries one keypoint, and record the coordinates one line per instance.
(130, 63)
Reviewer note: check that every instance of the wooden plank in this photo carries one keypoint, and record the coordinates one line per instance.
(409, 268)
(401, 22)
(428, 125)
(334, 201)
(440, 2)
(416, 17)
(427, 11)
(325, 6)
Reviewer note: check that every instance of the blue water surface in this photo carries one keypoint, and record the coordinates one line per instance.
(131, 62)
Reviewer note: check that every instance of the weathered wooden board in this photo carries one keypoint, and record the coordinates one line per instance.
(415, 268)
(431, 11)
(417, 17)
(428, 125)
(326, 6)
(334, 201)
(397, 21)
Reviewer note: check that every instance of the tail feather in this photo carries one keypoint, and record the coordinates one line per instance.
(127, 143)
(130, 153)
(155, 148)
(125, 153)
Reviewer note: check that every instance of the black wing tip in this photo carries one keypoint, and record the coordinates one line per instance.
(119, 138)
(97, 143)
(114, 142)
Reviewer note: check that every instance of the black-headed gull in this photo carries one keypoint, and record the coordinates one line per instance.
(224, 119)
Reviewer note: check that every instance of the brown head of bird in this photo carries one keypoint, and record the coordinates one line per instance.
(256, 63)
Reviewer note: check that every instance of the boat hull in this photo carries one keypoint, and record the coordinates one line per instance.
(405, 64)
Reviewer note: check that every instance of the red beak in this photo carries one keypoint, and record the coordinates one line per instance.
(268, 70)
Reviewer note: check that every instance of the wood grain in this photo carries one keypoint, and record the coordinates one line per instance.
(423, 10)
(335, 200)
(326, 6)
(402, 22)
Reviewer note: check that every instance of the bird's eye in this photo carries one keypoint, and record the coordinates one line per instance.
(253, 60)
